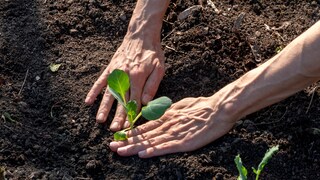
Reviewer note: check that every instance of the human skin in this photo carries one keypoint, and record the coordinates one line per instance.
(141, 56)
(195, 122)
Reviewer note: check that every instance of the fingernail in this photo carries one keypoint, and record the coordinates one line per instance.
(88, 100)
(142, 153)
(100, 117)
(146, 98)
(126, 124)
(114, 126)
(113, 145)
(122, 150)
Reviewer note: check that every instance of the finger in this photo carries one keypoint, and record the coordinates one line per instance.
(152, 83)
(135, 148)
(97, 87)
(105, 107)
(147, 127)
(137, 81)
(118, 119)
(136, 139)
(161, 149)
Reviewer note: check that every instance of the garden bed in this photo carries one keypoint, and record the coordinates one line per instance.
(53, 135)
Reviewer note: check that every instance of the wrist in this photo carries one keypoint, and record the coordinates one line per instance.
(143, 29)
(146, 21)
(235, 100)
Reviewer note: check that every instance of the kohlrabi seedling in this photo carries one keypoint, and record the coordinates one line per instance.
(119, 84)
(243, 171)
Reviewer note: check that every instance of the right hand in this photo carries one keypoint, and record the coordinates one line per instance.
(188, 125)
(143, 59)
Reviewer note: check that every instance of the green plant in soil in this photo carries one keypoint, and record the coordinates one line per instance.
(243, 171)
(119, 84)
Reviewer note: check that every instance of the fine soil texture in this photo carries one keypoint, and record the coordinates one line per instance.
(52, 135)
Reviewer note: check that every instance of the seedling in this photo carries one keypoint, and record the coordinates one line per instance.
(243, 171)
(119, 84)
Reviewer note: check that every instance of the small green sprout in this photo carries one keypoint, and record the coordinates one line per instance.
(243, 171)
(279, 49)
(119, 84)
(7, 116)
(54, 67)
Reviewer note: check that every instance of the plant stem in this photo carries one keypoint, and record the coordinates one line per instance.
(135, 119)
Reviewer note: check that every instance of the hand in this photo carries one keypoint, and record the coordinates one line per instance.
(188, 125)
(143, 59)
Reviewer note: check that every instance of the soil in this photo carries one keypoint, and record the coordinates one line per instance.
(53, 135)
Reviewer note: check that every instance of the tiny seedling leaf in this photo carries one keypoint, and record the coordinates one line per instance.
(116, 95)
(242, 170)
(156, 108)
(265, 160)
(120, 136)
(131, 108)
(54, 67)
(118, 80)
(7, 116)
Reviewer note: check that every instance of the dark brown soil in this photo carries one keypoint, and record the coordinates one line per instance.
(55, 136)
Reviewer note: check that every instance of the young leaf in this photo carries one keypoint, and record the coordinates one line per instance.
(54, 67)
(120, 136)
(131, 108)
(242, 170)
(265, 160)
(118, 80)
(156, 108)
(116, 95)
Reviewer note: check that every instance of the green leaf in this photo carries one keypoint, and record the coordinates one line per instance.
(118, 80)
(7, 116)
(242, 170)
(54, 67)
(265, 160)
(120, 136)
(116, 95)
(156, 108)
(131, 108)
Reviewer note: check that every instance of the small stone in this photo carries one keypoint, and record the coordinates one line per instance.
(257, 33)
(73, 31)
(93, 165)
(123, 17)
(22, 104)
(206, 30)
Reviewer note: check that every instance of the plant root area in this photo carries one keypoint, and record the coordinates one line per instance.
(52, 135)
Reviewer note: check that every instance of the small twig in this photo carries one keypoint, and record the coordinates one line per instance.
(53, 106)
(24, 81)
(313, 92)
(237, 23)
(214, 7)
(272, 122)
(254, 49)
(172, 31)
(168, 47)
(8, 128)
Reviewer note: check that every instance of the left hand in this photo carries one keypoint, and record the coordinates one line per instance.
(188, 125)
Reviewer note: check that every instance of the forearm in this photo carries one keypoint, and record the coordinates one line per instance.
(146, 21)
(294, 68)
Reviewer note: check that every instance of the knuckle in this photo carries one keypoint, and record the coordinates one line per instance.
(98, 83)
